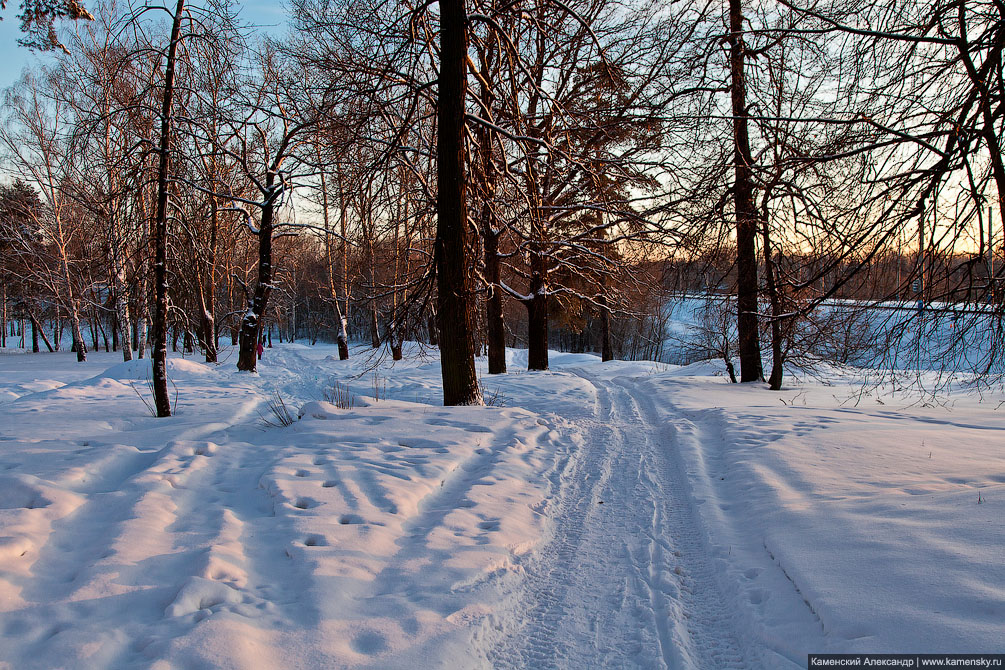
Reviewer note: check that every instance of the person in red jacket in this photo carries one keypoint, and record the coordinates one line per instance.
(260, 350)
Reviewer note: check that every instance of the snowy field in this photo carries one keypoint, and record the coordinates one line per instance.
(948, 343)
(597, 515)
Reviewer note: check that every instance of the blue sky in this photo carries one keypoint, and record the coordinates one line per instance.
(14, 58)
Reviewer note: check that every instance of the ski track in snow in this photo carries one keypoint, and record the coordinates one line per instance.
(625, 579)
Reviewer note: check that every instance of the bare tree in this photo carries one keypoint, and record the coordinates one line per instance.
(33, 135)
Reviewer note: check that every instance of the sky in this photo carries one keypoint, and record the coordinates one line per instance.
(14, 58)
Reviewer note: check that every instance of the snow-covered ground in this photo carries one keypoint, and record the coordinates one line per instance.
(598, 515)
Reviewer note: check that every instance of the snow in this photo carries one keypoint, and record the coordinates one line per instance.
(869, 510)
(620, 514)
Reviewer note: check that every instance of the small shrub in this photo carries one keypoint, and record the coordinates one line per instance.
(151, 408)
(339, 395)
(146, 401)
(495, 398)
(281, 414)
(379, 388)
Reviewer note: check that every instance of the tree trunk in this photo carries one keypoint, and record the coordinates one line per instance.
(143, 328)
(494, 306)
(434, 331)
(777, 357)
(495, 327)
(344, 255)
(537, 314)
(94, 326)
(606, 349)
(162, 401)
(478, 327)
(71, 305)
(120, 294)
(78, 337)
(253, 322)
(207, 330)
(343, 344)
(372, 258)
(122, 305)
(457, 357)
(207, 296)
(341, 336)
(743, 202)
(101, 331)
(537, 332)
(374, 327)
(141, 336)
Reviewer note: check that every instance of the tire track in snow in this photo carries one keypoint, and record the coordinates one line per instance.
(706, 629)
(624, 580)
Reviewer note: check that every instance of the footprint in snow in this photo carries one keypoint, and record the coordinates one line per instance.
(306, 503)
(369, 642)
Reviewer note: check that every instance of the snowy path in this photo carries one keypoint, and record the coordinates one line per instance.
(625, 580)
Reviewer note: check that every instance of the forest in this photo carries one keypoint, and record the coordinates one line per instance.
(825, 177)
